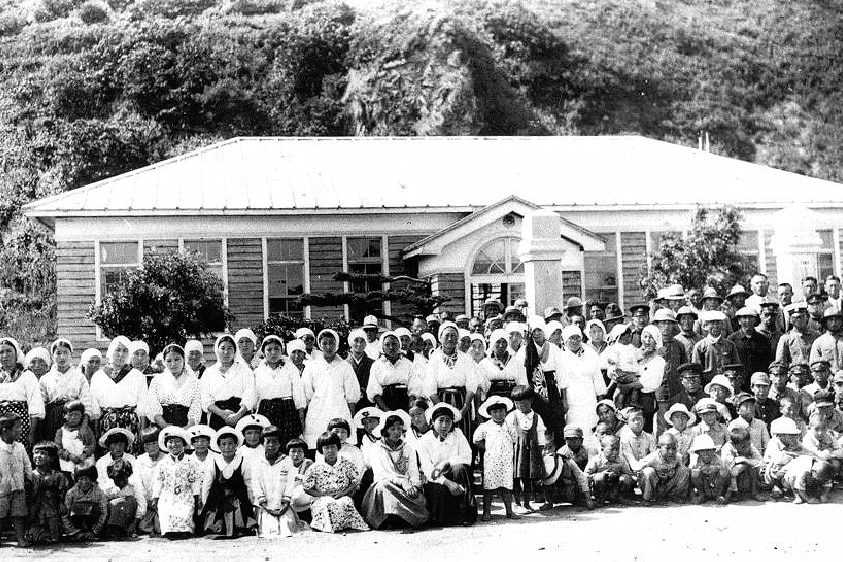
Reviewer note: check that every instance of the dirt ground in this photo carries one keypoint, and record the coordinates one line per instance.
(768, 531)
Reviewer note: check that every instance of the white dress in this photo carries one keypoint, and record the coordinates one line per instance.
(499, 454)
(329, 388)
(175, 484)
(584, 384)
(274, 483)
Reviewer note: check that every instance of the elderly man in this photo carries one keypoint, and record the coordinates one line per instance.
(714, 350)
(829, 346)
(795, 345)
(785, 299)
(760, 286)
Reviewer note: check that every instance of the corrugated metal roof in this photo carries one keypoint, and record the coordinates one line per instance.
(246, 175)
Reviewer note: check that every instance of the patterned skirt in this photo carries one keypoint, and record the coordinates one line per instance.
(125, 417)
(21, 408)
(232, 404)
(53, 420)
(282, 413)
(395, 397)
(175, 414)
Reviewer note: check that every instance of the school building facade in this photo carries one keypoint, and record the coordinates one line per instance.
(278, 217)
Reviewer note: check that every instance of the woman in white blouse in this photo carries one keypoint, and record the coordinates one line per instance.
(279, 392)
(118, 390)
(500, 368)
(393, 382)
(651, 373)
(330, 386)
(19, 390)
(227, 389)
(452, 376)
(174, 394)
(581, 369)
(61, 384)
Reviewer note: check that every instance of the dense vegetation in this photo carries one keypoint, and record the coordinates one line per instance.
(91, 89)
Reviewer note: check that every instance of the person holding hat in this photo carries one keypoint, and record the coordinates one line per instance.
(681, 419)
(452, 376)
(176, 485)
(715, 350)
(795, 345)
(273, 483)
(331, 389)
(396, 491)
(144, 468)
(829, 346)
(687, 336)
(754, 349)
(61, 384)
(173, 397)
(445, 457)
(279, 394)
(227, 389)
(496, 440)
(393, 381)
(745, 404)
(766, 408)
(709, 478)
(226, 508)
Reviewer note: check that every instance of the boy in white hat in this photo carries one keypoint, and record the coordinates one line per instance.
(496, 439)
(681, 421)
(782, 449)
(709, 478)
(709, 424)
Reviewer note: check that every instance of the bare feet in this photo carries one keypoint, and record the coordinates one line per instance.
(797, 499)
(721, 500)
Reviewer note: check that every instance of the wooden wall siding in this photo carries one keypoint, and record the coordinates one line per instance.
(325, 256)
(397, 266)
(571, 284)
(75, 292)
(453, 286)
(161, 246)
(772, 274)
(245, 281)
(633, 257)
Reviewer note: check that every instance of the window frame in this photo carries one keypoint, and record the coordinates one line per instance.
(98, 270)
(305, 274)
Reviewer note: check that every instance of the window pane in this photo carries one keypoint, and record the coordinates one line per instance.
(601, 271)
(825, 265)
(114, 279)
(210, 250)
(123, 253)
(364, 285)
(285, 280)
(363, 248)
(828, 239)
(285, 249)
(491, 259)
(482, 291)
(286, 306)
(516, 265)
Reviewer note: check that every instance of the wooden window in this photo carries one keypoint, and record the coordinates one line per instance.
(825, 258)
(285, 275)
(364, 257)
(601, 271)
(116, 260)
(211, 252)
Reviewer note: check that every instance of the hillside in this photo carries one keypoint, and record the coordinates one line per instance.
(92, 88)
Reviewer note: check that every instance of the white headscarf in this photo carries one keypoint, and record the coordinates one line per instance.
(89, 354)
(19, 358)
(448, 326)
(388, 334)
(194, 345)
(38, 353)
(496, 335)
(354, 334)
(136, 345)
(58, 342)
(112, 347)
(328, 331)
(598, 323)
(572, 330)
(657, 335)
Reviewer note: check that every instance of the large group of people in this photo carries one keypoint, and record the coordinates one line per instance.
(693, 396)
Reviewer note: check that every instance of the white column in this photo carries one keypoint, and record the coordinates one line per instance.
(796, 244)
(541, 251)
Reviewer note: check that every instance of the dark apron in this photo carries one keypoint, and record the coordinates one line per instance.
(216, 422)
(501, 388)
(396, 397)
(175, 414)
(53, 420)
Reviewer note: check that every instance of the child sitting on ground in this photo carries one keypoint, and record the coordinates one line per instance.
(15, 471)
(49, 487)
(743, 460)
(709, 478)
(636, 443)
(809, 478)
(126, 502)
(681, 419)
(85, 506)
(572, 484)
(251, 427)
(75, 439)
(272, 483)
(821, 442)
(622, 358)
(608, 472)
(144, 469)
(782, 449)
(496, 439)
(299, 499)
(662, 475)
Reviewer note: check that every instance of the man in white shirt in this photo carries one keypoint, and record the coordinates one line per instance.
(760, 286)
(832, 289)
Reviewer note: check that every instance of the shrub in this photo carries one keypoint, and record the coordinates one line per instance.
(93, 12)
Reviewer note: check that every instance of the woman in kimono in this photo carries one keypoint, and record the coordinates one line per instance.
(176, 484)
(361, 363)
(452, 376)
(19, 390)
(174, 394)
(396, 492)
(581, 369)
(279, 392)
(542, 361)
(330, 386)
(62, 384)
(195, 357)
(119, 390)
(500, 369)
(227, 389)
(393, 383)
(445, 457)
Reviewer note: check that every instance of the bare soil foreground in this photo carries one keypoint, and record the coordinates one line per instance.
(751, 531)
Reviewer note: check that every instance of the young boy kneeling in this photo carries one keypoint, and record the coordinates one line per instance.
(608, 473)
(709, 477)
(663, 475)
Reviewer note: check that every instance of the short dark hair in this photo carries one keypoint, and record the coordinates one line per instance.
(86, 471)
(339, 423)
(390, 421)
(739, 434)
(8, 420)
(74, 406)
(786, 284)
(809, 278)
(120, 468)
(116, 438)
(832, 277)
(326, 439)
(295, 444)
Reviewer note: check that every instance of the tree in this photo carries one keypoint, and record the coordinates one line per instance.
(170, 298)
(708, 255)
